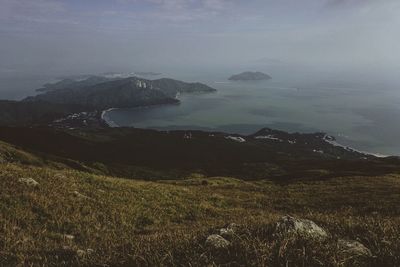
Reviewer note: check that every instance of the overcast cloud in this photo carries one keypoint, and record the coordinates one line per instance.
(103, 35)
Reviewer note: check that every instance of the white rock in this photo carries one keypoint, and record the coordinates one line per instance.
(217, 242)
(352, 248)
(269, 137)
(236, 139)
(306, 228)
(28, 182)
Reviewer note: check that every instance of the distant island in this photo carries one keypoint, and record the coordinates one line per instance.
(250, 76)
(90, 97)
(99, 93)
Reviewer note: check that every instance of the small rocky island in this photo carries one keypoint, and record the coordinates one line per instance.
(250, 76)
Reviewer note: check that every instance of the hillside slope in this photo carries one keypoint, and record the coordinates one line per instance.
(99, 93)
(76, 218)
(111, 94)
(130, 153)
(65, 199)
(68, 97)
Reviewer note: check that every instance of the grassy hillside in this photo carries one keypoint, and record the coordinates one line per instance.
(131, 197)
(154, 155)
(76, 218)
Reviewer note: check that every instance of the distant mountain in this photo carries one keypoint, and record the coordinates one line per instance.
(172, 87)
(250, 76)
(74, 83)
(103, 93)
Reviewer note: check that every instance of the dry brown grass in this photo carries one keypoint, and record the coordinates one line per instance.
(140, 223)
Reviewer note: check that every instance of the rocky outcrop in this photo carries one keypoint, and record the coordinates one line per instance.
(29, 182)
(289, 225)
(217, 242)
(352, 249)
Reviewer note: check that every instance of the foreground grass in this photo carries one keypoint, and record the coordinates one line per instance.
(76, 218)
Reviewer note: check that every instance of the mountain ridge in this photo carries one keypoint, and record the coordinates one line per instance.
(118, 93)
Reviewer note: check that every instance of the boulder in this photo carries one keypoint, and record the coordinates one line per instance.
(28, 182)
(289, 225)
(217, 242)
(353, 248)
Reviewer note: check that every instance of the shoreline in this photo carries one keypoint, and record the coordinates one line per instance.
(112, 124)
(328, 138)
(109, 123)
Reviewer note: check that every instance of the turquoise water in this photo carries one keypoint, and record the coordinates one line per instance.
(364, 115)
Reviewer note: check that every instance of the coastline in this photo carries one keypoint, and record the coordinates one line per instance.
(331, 140)
(109, 123)
(327, 138)
(112, 124)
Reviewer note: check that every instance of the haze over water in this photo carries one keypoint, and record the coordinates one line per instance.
(43, 39)
(360, 114)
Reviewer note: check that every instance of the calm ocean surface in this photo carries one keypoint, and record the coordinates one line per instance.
(362, 115)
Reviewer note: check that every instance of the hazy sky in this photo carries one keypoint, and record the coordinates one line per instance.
(105, 35)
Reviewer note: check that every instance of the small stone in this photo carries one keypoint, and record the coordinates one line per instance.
(306, 228)
(352, 248)
(28, 182)
(217, 242)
